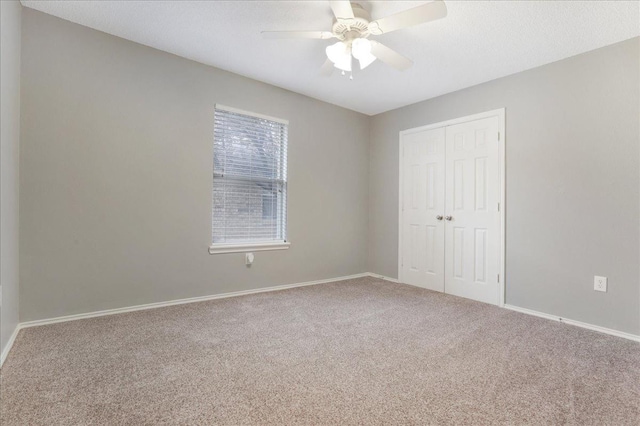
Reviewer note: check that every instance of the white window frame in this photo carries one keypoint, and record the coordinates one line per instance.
(249, 246)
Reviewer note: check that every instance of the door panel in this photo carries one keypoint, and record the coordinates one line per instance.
(423, 184)
(472, 196)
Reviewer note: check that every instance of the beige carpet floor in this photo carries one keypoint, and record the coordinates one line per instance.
(362, 351)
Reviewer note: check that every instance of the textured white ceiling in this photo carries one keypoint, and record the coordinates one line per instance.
(478, 41)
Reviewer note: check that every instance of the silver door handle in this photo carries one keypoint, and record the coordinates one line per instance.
(448, 217)
(439, 217)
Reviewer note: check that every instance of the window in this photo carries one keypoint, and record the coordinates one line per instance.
(268, 206)
(249, 182)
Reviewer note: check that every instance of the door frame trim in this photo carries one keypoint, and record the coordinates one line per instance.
(502, 160)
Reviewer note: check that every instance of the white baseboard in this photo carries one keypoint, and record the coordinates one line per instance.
(7, 348)
(598, 328)
(575, 323)
(382, 277)
(66, 318)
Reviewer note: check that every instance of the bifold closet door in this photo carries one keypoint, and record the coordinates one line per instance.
(472, 218)
(423, 184)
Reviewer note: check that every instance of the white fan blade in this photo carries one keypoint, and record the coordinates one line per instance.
(327, 68)
(322, 35)
(342, 9)
(389, 56)
(418, 15)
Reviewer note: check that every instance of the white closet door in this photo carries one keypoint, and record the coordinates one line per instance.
(423, 186)
(472, 219)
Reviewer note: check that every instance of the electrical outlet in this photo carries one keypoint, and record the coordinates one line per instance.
(600, 283)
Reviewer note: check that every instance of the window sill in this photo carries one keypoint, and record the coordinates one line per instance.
(243, 248)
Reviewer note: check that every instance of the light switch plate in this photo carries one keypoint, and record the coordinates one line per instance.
(600, 283)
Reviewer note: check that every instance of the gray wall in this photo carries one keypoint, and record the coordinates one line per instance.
(572, 182)
(10, 22)
(116, 179)
(116, 170)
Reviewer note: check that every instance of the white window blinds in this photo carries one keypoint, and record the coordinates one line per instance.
(249, 178)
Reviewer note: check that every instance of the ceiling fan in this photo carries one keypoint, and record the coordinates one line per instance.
(353, 27)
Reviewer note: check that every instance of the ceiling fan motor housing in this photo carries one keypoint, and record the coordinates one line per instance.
(350, 29)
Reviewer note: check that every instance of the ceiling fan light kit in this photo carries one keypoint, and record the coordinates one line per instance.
(340, 55)
(361, 50)
(353, 27)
